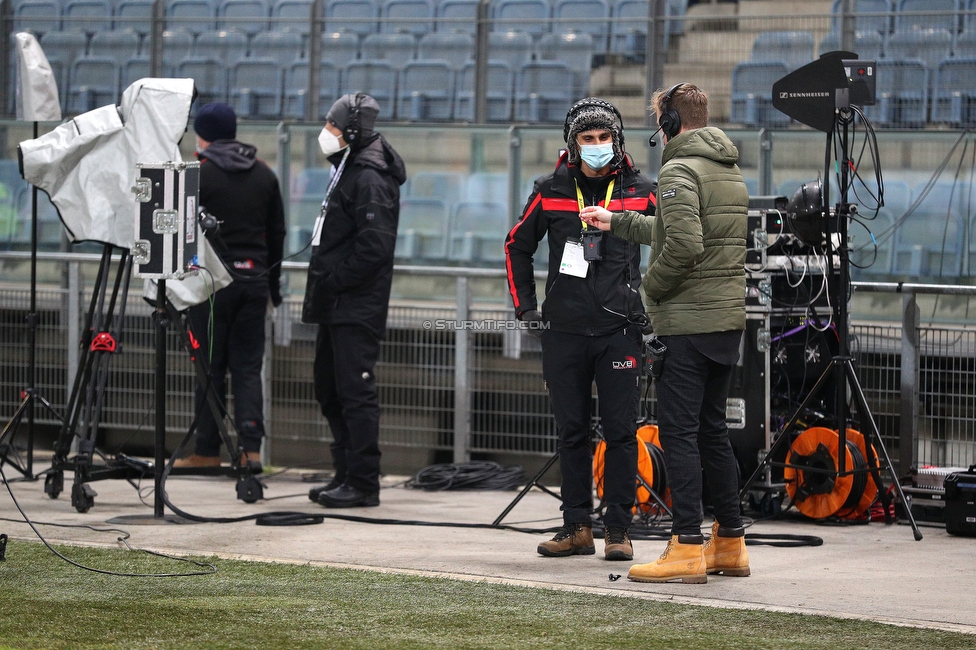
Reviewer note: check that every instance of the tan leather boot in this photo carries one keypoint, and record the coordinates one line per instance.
(682, 561)
(194, 460)
(572, 539)
(725, 552)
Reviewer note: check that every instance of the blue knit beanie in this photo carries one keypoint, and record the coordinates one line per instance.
(216, 121)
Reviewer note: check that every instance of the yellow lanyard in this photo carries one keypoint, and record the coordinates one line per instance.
(579, 198)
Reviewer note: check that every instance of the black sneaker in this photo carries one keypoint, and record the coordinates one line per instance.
(618, 546)
(313, 494)
(346, 496)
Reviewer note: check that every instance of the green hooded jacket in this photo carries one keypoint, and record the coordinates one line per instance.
(695, 283)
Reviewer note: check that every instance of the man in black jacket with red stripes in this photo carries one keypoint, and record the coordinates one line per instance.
(243, 194)
(590, 322)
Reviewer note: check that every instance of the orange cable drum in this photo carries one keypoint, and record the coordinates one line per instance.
(647, 436)
(869, 492)
(816, 494)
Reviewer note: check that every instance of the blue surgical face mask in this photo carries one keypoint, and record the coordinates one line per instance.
(597, 156)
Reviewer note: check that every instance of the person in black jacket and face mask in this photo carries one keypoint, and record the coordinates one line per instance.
(348, 293)
(591, 319)
(243, 194)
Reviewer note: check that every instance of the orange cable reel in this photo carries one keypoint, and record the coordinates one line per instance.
(649, 455)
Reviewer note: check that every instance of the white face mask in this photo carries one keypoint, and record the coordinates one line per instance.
(329, 142)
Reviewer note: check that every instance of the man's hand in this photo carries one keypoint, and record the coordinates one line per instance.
(596, 216)
(533, 319)
(275, 296)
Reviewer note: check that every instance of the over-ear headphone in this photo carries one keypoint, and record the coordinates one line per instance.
(670, 121)
(601, 103)
(352, 131)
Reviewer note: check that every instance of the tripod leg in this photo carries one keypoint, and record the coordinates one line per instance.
(528, 486)
(9, 429)
(875, 436)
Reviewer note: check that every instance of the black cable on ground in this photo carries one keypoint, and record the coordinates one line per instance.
(474, 475)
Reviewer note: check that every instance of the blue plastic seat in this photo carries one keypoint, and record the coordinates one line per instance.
(584, 17)
(227, 47)
(969, 19)
(133, 70)
(795, 48)
(902, 94)
(930, 241)
(246, 16)
(283, 47)
(133, 14)
(869, 16)
(256, 88)
(954, 95)
(453, 47)
(512, 47)
(120, 44)
(576, 51)
(94, 83)
(195, 16)
(413, 16)
(477, 232)
(499, 92)
(927, 14)
(530, 16)
(296, 89)
(291, 16)
(37, 16)
(422, 229)
(628, 30)
(87, 15)
(395, 49)
(306, 204)
(487, 187)
(448, 187)
(375, 78)
(871, 244)
(543, 91)
(929, 45)
(209, 76)
(867, 45)
(456, 16)
(752, 93)
(177, 43)
(426, 91)
(61, 50)
(357, 16)
(339, 48)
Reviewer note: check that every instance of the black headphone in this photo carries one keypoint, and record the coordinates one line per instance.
(352, 131)
(601, 103)
(669, 121)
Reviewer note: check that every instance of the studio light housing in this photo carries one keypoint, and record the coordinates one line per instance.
(805, 215)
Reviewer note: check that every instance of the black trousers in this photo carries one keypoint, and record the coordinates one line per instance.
(691, 402)
(345, 388)
(570, 363)
(237, 337)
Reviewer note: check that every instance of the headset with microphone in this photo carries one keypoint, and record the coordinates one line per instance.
(352, 131)
(596, 102)
(669, 122)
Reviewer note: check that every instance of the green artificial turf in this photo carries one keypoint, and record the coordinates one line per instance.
(47, 603)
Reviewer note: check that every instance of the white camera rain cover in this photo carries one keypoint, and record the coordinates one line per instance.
(197, 288)
(88, 165)
(37, 89)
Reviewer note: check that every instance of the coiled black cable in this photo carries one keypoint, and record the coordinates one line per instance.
(474, 475)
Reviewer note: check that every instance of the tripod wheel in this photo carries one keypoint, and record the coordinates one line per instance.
(770, 506)
(54, 484)
(82, 497)
(249, 489)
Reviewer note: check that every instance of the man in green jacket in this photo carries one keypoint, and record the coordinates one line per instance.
(695, 287)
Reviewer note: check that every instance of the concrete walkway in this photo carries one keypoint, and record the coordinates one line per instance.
(873, 572)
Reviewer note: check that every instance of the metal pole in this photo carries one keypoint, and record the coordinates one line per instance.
(654, 55)
(847, 24)
(156, 27)
(314, 91)
(481, 64)
(6, 28)
(908, 421)
(162, 322)
(514, 173)
(765, 162)
(32, 331)
(462, 389)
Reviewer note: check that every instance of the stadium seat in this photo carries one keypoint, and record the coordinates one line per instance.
(395, 49)
(576, 51)
(226, 47)
(867, 45)
(246, 16)
(628, 31)
(255, 88)
(37, 16)
(87, 16)
(177, 43)
(870, 15)
(927, 14)
(530, 16)
(752, 90)
(94, 83)
(902, 94)
(487, 187)
(134, 15)
(795, 48)
(413, 16)
(339, 48)
(453, 47)
(357, 16)
(284, 47)
(512, 47)
(929, 45)
(120, 44)
(448, 187)
(930, 240)
(872, 244)
(209, 76)
(583, 17)
(133, 70)
(195, 16)
(954, 95)
(296, 89)
(422, 229)
(477, 232)
(62, 49)
(375, 78)
(543, 91)
(306, 204)
(498, 93)
(292, 16)
(456, 16)
(969, 19)
(426, 91)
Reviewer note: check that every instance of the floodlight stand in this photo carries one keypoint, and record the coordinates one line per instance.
(840, 368)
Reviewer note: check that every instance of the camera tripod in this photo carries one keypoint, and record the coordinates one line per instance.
(840, 368)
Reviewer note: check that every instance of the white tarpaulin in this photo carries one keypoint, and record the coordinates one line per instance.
(88, 164)
(37, 90)
(194, 289)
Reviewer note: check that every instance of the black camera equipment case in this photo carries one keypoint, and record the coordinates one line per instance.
(960, 502)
